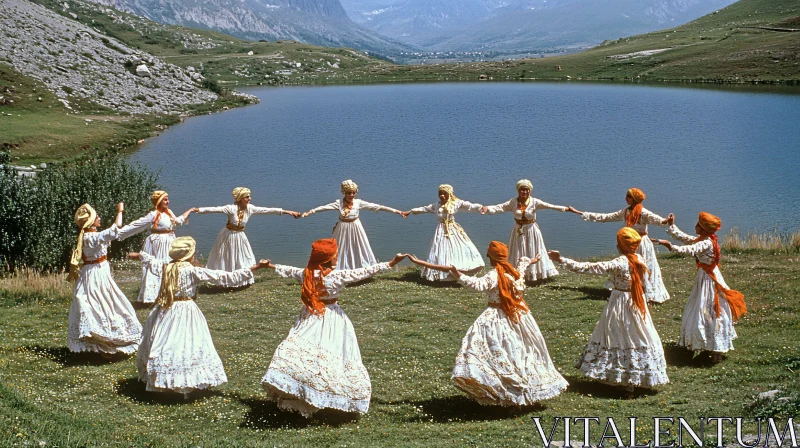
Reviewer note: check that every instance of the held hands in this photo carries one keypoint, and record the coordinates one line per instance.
(262, 264)
(397, 259)
(195, 209)
(483, 210)
(670, 220)
(536, 259)
(664, 243)
(405, 214)
(554, 255)
(133, 255)
(574, 210)
(305, 214)
(295, 215)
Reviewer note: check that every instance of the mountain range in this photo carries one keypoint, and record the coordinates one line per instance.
(514, 25)
(318, 22)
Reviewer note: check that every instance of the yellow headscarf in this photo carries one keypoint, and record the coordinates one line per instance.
(240, 193)
(181, 250)
(349, 185)
(451, 201)
(157, 197)
(525, 183)
(84, 218)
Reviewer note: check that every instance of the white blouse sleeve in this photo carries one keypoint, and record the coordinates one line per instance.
(695, 249)
(649, 217)
(604, 217)
(265, 210)
(426, 209)
(466, 206)
(220, 209)
(180, 220)
(152, 264)
(501, 208)
(222, 277)
(364, 205)
(523, 263)
(679, 235)
(137, 226)
(323, 208)
(481, 284)
(346, 276)
(597, 268)
(539, 205)
(110, 234)
(289, 272)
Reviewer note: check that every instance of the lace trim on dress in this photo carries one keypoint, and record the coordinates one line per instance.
(641, 366)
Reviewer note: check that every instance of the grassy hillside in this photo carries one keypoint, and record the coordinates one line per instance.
(409, 334)
(738, 44)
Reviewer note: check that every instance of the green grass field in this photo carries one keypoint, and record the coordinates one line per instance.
(409, 334)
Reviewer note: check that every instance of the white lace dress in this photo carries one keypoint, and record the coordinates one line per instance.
(354, 249)
(701, 329)
(625, 348)
(657, 292)
(101, 319)
(231, 250)
(156, 244)
(450, 245)
(501, 362)
(319, 365)
(177, 353)
(526, 238)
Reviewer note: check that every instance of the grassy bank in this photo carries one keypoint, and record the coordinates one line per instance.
(409, 334)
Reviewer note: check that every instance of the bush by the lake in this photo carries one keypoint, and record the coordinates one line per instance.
(37, 229)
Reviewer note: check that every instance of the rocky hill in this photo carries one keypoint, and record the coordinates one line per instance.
(79, 64)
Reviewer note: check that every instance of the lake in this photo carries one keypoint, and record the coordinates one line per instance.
(732, 152)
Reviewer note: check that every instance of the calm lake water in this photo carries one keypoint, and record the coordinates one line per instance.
(734, 153)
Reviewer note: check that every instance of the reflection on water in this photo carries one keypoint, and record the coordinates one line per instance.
(733, 153)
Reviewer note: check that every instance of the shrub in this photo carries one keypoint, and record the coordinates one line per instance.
(36, 214)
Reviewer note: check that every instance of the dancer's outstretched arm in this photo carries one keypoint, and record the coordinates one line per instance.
(452, 269)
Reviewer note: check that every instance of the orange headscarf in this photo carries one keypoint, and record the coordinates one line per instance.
(628, 241)
(635, 211)
(322, 251)
(511, 300)
(709, 224)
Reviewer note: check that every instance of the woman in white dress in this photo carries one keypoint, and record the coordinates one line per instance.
(526, 239)
(503, 359)
(161, 223)
(712, 307)
(450, 245)
(101, 319)
(177, 353)
(319, 365)
(637, 217)
(354, 249)
(624, 348)
(231, 250)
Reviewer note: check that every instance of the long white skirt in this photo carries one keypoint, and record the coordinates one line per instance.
(231, 252)
(177, 353)
(658, 292)
(354, 249)
(624, 348)
(700, 328)
(505, 363)
(101, 319)
(527, 241)
(157, 245)
(456, 249)
(319, 366)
